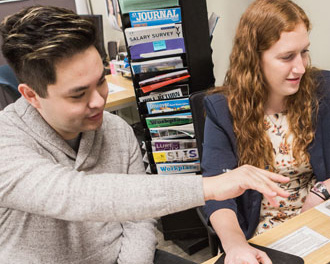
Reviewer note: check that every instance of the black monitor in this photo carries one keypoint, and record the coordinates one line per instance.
(98, 22)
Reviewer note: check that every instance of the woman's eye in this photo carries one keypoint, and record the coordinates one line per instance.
(305, 51)
(289, 57)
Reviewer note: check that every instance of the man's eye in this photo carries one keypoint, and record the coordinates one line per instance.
(78, 96)
(101, 82)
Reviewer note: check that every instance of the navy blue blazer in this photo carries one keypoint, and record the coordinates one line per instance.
(220, 153)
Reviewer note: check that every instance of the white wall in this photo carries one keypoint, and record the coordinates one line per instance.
(230, 12)
(318, 13)
(99, 8)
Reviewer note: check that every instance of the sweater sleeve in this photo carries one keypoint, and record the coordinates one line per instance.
(139, 239)
(218, 154)
(35, 183)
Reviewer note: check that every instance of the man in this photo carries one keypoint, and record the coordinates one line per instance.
(72, 183)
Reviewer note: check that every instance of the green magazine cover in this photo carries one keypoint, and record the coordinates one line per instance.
(135, 5)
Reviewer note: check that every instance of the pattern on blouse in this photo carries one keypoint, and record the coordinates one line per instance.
(301, 176)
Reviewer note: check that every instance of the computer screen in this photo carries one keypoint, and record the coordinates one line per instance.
(97, 20)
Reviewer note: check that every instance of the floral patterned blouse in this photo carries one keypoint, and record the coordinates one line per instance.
(301, 177)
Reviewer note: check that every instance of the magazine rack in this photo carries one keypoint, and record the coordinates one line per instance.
(197, 59)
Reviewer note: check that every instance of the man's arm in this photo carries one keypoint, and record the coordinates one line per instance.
(32, 181)
(35, 183)
(138, 239)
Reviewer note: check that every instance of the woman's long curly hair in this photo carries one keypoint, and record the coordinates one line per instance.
(246, 89)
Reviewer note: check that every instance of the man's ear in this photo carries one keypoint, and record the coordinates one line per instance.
(29, 94)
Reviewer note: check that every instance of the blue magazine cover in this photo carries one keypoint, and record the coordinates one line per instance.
(168, 106)
(155, 17)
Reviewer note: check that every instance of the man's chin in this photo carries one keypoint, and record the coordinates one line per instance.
(95, 126)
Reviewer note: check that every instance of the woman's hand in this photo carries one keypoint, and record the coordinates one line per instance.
(245, 254)
(235, 182)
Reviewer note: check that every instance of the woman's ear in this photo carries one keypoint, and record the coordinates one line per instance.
(29, 94)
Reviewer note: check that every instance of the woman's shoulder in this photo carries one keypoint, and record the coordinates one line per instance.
(323, 83)
(216, 106)
(216, 100)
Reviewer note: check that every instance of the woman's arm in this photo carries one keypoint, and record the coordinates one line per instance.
(237, 249)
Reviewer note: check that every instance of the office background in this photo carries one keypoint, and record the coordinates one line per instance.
(229, 12)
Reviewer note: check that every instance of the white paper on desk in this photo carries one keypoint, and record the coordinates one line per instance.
(324, 207)
(114, 88)
(301, 242)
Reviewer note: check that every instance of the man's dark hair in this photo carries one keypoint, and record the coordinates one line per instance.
(37, 37)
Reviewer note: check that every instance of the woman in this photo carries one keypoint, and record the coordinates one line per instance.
(264, 116)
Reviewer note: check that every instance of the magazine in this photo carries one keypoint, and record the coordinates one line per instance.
(155, 17)
(158, 85)
(141, 35)
(175, 168)
(175, 93)
(169, 120)
(156, 107)
(163, 77)
(172, 132)
(172, 144)
(175, 155)
(157, 65)
(129, 5)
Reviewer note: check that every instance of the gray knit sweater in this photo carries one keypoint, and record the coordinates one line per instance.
(59, 206)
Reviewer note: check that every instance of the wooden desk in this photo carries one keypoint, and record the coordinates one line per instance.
(122, 99)
(313, 219)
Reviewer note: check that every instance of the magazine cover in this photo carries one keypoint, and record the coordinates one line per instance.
(169, 120)
(162, 80)
(163, 77)
(155, 17)
(172, 132)
(156, 107)
(175, 155)
(129, 5)
(157, 65)
(141, 35)
(175, 93)
(174, 168)
(172, 144)
(157, 48)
